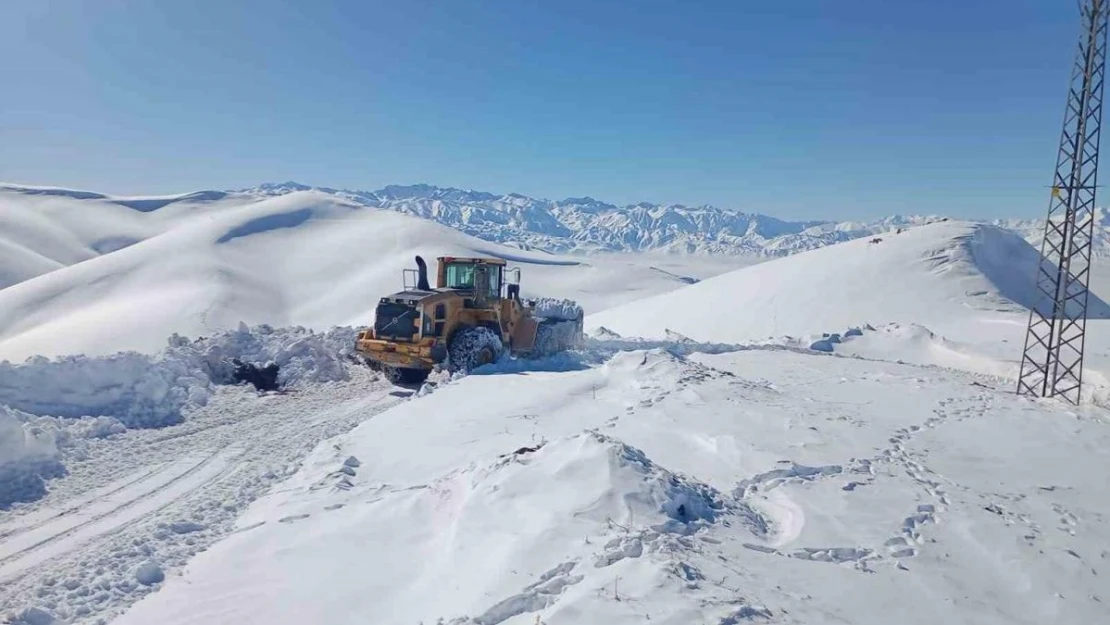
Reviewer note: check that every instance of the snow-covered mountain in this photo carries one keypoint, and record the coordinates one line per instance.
(587, 225)
(1032, 230)
(575, 225)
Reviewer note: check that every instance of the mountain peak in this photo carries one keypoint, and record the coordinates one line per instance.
(431, 192)
(277, 188)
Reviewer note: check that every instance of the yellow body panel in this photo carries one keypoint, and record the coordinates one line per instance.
(395, 353)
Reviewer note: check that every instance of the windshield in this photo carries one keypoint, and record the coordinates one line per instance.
(470, 276)
(460, 276)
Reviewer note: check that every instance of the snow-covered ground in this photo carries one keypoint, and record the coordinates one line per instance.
(829, 437)
(762, 485)
(156, 497)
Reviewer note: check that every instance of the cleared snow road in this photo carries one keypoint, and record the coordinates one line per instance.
(164, 495)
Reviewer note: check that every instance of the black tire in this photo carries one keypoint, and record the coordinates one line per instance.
(405, 375)
(473, 347)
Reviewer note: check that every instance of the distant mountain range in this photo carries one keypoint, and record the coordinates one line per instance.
(577, 225)
(585, 225)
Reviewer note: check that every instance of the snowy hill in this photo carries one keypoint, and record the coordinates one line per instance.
(952, 294)
(939, 275)
(44, 228)
(97, 275)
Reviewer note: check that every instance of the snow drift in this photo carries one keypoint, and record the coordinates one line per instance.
(916, 344)
(535, 525)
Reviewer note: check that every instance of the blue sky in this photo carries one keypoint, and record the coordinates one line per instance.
(812, 109)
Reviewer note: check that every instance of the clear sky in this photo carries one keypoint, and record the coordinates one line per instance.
(807, 109)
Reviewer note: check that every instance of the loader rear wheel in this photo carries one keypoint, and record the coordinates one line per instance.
(473, 347)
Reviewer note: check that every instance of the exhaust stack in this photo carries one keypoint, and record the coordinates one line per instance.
(422, 275)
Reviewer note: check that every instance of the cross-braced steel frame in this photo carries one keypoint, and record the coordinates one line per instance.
(1052, 362)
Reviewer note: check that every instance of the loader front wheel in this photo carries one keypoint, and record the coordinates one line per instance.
(405, 375)
(473, 347)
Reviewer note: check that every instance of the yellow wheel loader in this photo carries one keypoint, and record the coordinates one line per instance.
(472, 316)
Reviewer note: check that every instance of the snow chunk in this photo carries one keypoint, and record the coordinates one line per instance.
(822, 345)
(302, 355)
(35, 616)
(28, 455)
(186, 527)
(149, 573)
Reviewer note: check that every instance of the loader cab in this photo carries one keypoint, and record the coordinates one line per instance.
(482, 276)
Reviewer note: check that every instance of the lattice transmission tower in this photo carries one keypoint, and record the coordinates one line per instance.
(1052, 362)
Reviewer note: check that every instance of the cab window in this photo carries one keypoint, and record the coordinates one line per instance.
(460, 276)
(465, 276)
(494, 281)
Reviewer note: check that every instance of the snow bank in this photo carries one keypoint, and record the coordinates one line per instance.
(153, 391)
(139, 390)
(304, 356)
(28, 455)
(47, 406)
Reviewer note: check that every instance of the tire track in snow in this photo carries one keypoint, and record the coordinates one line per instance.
(76, 557)
(162, 489)
(51, 514)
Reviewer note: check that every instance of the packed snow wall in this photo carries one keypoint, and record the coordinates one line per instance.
(51, 404)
